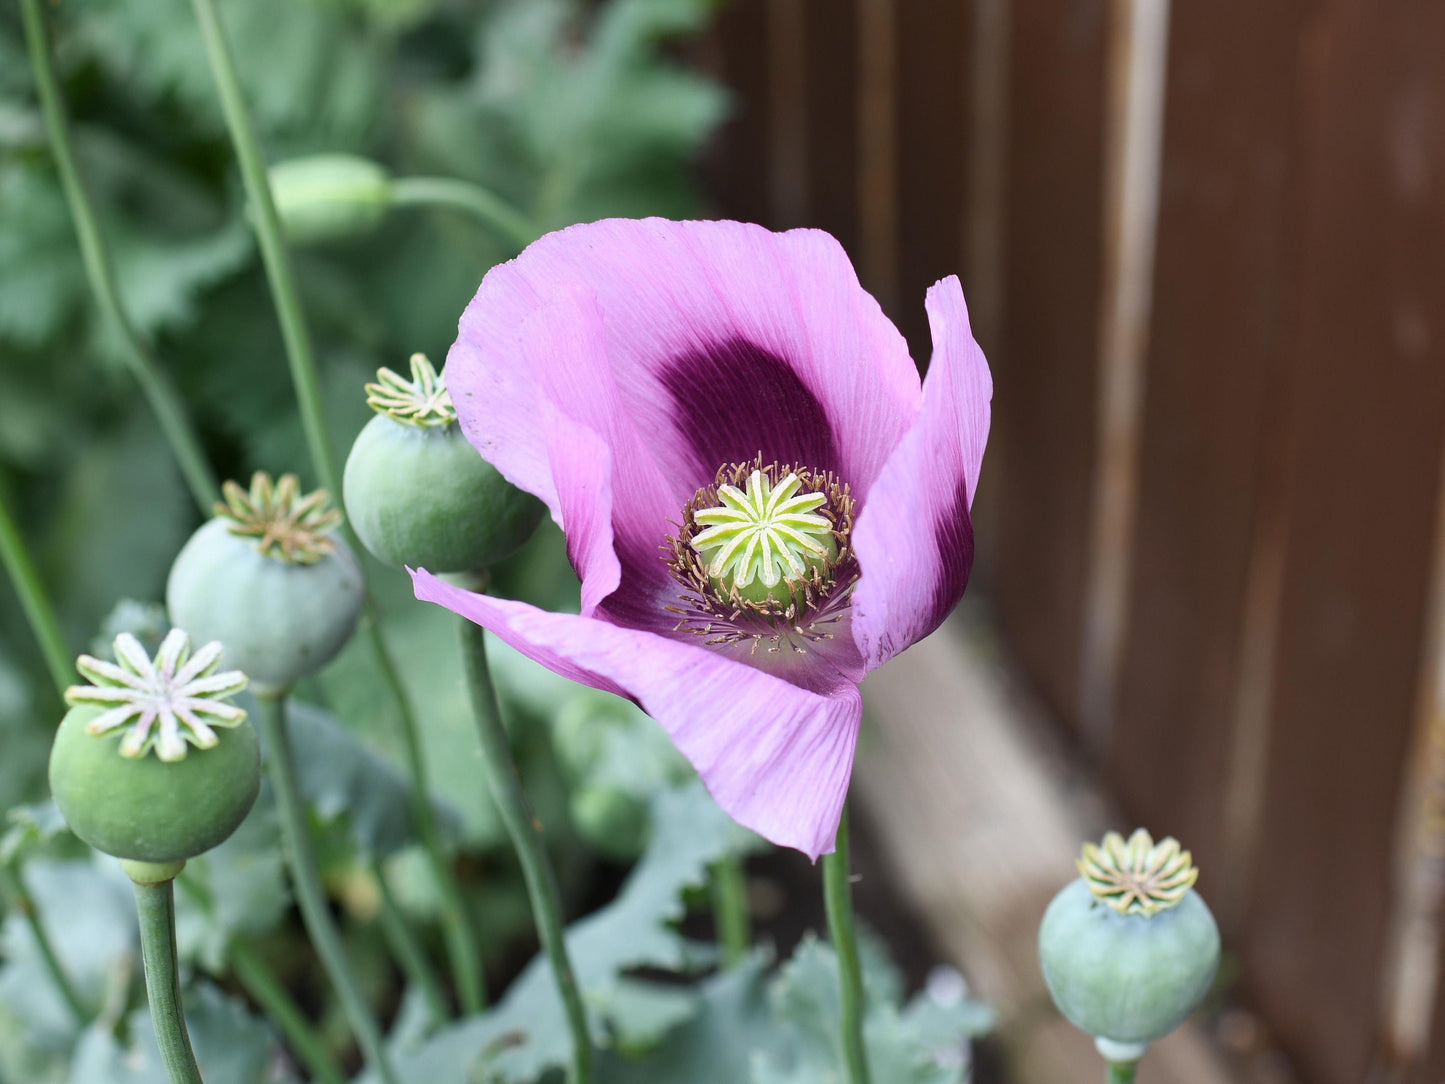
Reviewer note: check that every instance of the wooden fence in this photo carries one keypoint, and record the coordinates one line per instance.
(1204, 247)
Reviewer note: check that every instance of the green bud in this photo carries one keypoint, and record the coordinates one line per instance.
(326, 197)
(610, 819)
(1129, 949)
(418, 494)
(270, 579)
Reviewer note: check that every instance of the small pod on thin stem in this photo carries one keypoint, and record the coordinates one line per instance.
(155, 811)
(1129, 949)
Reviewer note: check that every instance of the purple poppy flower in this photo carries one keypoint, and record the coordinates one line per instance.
(761, 501)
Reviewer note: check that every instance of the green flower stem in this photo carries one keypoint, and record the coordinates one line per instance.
(407, 949)
(730, 909)
(838, 901)
(25, 904)
(155, 905)
(1120, 1072)
(262, 986)
(267, 991)
(160, 393)
(463, 952)
(461, 942)
(482, 204)
(284, 296)
(309, 895)
(34, 601)
(526, 833)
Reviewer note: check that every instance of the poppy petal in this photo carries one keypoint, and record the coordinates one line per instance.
(913, 538)
(776, 757)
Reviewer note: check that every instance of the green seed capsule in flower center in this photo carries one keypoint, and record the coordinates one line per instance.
(763, 540)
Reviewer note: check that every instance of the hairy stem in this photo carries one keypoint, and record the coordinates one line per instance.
(34, 601)
(155, 905)
(461, 942)
(838, 901)
(730, 909)
(526, 834)
(407, 949)
(310, 897)
(482, 204)
(160, 393)
(25, 904)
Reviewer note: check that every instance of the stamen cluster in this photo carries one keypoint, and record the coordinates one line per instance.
(763, 554)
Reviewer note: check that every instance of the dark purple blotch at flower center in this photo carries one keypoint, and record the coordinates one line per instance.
(735, 401)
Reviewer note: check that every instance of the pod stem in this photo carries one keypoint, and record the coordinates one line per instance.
(406, 948)
(463, 952)
(526, 834)
(461, 940)
(155, 906)
(1120, 1072)
(165, 402)
(838, 902)
(488, 208)
(310, 897)
(730, 909)
(39, 613)
(25, 904)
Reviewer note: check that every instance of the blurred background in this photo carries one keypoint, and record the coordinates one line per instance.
(1204, 251)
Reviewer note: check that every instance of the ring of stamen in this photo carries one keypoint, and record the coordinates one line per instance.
(763, 554)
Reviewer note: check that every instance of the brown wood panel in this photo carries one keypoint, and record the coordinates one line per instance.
(1369, 419)
(737, 164)
(832, 118)
(933, 110)
(1045, 370)
(1226, 266)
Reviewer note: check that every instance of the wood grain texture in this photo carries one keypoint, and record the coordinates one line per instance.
(1368, 388)
(1045, 370)
(832, 128)
(982, 821)
(1222, 324)
(933, 107)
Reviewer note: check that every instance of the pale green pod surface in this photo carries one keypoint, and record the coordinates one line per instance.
(146, 809)
(1131, 978)
(279, 621)
(326, 197)
(423, 497)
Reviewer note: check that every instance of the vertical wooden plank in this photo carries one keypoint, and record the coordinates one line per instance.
(877, 150)
(1369, 411)
(1138, 53)
(1046, 374)
(1220, 325)
(788, 75)
(932, 105)
(737, 166)
(831, 34)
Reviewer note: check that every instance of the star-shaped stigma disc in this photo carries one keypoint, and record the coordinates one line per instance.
(160, 704)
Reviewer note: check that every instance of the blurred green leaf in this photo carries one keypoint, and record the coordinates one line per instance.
(232, 1045)
(525, 1034)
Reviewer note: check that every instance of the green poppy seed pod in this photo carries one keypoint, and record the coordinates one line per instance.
(270, 579)
(327, 197)
(418, 494)
(152, 764)
(1129, 949)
